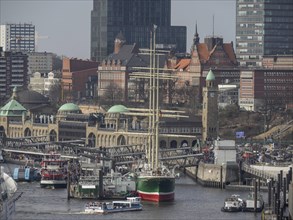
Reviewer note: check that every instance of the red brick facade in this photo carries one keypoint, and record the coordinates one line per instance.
(75, 73)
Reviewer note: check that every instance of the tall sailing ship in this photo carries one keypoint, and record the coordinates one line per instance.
(154, 181)
(155, 185)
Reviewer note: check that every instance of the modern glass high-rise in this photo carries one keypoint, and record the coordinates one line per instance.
(263, 27)
(134, 18)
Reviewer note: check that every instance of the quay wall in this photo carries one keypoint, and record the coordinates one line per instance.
(210, 174)
(272, 169)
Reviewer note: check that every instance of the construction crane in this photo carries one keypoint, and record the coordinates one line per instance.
(18, 40)
(37, 38)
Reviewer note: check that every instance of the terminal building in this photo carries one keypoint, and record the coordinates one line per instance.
(118, 126)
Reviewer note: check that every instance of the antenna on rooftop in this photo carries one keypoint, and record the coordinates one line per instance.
(213, 25)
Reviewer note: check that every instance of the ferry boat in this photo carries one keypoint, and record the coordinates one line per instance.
(53, 171)
(233, 204)
(130, 204)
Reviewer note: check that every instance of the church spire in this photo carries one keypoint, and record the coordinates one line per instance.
(196, 37)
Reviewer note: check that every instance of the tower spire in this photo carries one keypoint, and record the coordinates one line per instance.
(196, 37)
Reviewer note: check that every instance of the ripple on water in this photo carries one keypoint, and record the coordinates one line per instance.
(192, 201)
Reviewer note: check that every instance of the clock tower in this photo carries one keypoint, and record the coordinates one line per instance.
(210, 109)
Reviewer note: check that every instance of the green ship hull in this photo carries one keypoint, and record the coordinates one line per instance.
(156, 188)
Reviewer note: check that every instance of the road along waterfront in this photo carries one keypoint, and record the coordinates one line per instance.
(192, 201)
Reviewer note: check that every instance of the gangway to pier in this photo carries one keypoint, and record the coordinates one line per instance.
(120, 155)
(19, 141)
(119, 149)
(258, 173)
(187, 160)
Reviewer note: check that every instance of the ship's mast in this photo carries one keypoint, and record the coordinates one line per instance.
(155, 87)
(154, 100)
(154, 112)
(150, 131)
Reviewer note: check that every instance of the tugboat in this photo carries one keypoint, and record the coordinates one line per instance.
(130, 204)
(53, 171)
(233, 204)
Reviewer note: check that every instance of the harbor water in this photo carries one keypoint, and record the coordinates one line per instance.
(192, 201)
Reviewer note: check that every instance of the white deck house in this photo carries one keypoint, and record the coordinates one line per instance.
(225, 152)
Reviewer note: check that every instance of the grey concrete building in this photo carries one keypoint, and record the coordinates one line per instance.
(13, 72)
(263, 27)
(18, 37)
(41, 62)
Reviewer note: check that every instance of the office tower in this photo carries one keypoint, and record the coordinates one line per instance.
(13, 72)
(41, 62)
(263, 27)
(135, 19)
(17, 37)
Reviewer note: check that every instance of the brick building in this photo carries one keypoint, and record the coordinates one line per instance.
(269, 87)
(75, 74)
(212, 54)
(118, 70)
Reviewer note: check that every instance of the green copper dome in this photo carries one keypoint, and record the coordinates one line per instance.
(69, 107)
(12, 108)
(118, 109)
(210, 76)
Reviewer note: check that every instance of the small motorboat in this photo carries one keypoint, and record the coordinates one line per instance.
(130, 204)
(233, 204)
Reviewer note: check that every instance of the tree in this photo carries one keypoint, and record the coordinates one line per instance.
(57, 63)
(168, 91)
(186, 95)
(113, 95)
(54, 93)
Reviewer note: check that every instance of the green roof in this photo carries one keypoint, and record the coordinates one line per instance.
(118, 109)
(12, 108)
(69, 107)
(210, 76)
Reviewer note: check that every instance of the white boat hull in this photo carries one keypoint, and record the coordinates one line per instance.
(97, 211)
(130, 204)
(54, 183)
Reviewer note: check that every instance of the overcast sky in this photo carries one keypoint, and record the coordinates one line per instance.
(67, 22)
